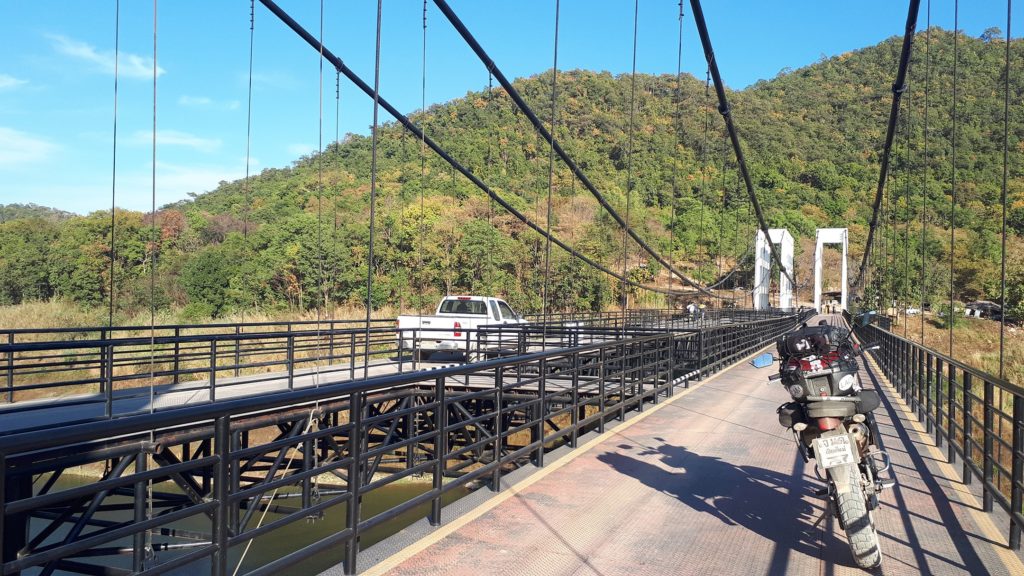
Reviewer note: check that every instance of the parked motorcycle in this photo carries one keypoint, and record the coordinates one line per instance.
(831, 420)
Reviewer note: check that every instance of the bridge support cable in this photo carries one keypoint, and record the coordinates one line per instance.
(421, 229)
(898, 88)
(629, 157)
(113, 168)
(677, 144)
(926, 157)
(342, 68)
(551, 179)
(905, 285)
(952, 184)
(723, 108)
(373, 189)
(702, 251)
(152, 286)
(1017, 446)
(539, 126)
(322, 299)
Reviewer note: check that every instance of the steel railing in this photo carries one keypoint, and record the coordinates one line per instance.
(188, 489)
(123, 371)
(977, 416)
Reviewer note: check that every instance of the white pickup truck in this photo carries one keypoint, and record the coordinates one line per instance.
(456, 317)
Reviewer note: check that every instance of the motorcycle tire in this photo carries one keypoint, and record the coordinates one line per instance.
(856, 519)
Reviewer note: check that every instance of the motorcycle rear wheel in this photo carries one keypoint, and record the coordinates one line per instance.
(856, 519)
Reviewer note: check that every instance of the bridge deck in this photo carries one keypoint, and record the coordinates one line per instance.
(708, 482)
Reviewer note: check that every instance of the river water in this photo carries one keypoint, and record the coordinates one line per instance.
(289, 538)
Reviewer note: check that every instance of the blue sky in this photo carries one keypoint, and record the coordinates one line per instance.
(57, 80)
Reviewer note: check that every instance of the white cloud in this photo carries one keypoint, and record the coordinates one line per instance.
(17, 148)
(134, 187)
(176, 138)
(204, 102)
(8, 82)
(194, 101)
(129, 65)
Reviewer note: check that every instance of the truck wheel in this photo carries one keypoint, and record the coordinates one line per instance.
(423, 355)
(856, 519)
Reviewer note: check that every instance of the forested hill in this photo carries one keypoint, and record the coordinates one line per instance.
(31, 211)
(812, 137)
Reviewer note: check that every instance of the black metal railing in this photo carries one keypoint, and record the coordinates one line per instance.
(190, 489)
(977, 416)
(123, 371)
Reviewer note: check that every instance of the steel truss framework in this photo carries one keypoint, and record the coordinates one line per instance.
(191, 488)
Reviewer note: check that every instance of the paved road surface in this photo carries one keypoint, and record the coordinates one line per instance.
(709, 483)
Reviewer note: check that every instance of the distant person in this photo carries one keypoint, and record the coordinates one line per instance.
(691, 310)
(701, 309)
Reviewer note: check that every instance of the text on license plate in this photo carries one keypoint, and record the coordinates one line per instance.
(834, 451)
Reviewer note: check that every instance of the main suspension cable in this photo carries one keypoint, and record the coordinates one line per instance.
(341, 67)
(897, 92)
(724, 110)
(539, 126)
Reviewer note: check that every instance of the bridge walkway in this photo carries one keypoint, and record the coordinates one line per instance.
(708, 483)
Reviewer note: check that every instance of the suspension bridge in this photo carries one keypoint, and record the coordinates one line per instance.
(639, 441)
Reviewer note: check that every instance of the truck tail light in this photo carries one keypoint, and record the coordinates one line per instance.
(458, 329)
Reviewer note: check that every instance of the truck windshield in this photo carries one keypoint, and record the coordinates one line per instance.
(456, 306)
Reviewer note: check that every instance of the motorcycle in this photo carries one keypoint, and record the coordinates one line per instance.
(832, 423)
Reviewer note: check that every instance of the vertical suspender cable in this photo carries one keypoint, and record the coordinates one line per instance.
(152, 279)
(678, 143)
(322, 297)
(1018, 403)
(551, 179)
(337, 187)
(1002, 197)
(952, 189)
(248, 123)
(423, 144)
(721, 225)
(373, 192)
(927, 159)
(905, 288)
(113, 169)
(152, 232)
(248, 142)
(629, 160)
(704, 167)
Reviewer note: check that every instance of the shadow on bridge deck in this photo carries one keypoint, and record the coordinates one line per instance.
(709, 483)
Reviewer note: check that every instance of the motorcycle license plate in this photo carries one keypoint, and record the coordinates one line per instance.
(834, 451)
